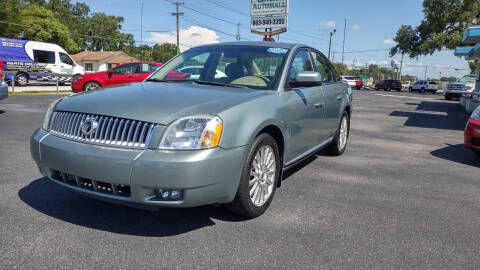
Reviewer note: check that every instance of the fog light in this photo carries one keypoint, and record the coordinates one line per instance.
(167, 195)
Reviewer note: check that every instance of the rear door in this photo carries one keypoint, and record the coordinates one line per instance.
(143, 71)
(334, 94)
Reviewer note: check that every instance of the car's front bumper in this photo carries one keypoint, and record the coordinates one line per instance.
(3, 91)
(204, 176)
(77, 86)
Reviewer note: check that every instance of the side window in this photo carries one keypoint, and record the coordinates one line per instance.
(301, 62)
(125, 69)
(64, 58)
(153, 68)
(144, 68)
(46, 57)
(322, 67)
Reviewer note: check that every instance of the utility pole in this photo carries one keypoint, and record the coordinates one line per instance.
(178, 14)
(425, 77)
(238, 31)
(400, 71)
(141, 29)
(353, 63)
(330, 43)
(343, 46)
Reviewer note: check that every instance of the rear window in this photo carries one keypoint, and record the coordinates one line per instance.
(432, 83)
(396, 81)
(350, 78)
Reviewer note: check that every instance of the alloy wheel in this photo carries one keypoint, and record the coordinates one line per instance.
(342, 142)
(262, 175)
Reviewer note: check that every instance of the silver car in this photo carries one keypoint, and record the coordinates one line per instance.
(176, 141)
(3, 90)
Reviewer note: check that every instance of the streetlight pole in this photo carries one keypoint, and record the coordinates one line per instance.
(330, 43)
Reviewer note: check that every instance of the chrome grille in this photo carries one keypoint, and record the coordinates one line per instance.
(458, 87)
(110, 131)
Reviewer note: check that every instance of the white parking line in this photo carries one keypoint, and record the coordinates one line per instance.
(421, 98)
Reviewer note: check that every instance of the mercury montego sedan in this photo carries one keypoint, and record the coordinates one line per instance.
(176, 141)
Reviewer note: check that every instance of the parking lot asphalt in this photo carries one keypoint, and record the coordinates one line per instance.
(406, 194)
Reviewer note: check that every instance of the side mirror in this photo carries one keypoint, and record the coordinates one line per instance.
(109, 74)
(306, 79)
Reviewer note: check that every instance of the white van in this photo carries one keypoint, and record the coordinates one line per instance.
(26, 56)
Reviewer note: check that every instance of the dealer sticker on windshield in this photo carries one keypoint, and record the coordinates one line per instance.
(277, 50)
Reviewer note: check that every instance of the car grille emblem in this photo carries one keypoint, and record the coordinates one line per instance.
(89, 126)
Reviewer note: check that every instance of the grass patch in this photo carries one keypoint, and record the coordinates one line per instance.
(39, 93)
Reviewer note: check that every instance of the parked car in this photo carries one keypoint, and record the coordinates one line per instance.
(190, 142)
(472, 132)
(3, 90)
(424, 86)
(389, 85)
(195, 72)
(129, 72)
(353, 81)
(464, 85)
(31, 56)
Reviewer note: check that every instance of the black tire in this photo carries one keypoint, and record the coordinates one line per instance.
(388, 89)
(21, 79)
(410, 89)
(242, 204)
(335, 149)
(359, 87)
(476, 153)
(433, 91)
(422, 90)
(91, 86)
(448, 97)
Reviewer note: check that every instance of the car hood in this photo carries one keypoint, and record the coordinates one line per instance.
(157, 102)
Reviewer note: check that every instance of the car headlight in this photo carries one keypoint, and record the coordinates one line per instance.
(476, 114)
(193, 132)
(46, 119)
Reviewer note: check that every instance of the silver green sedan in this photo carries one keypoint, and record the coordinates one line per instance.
(178, 141)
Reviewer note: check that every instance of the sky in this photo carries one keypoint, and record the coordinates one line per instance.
(371, 25)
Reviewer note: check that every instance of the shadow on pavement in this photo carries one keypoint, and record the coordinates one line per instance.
(458, 153)
(455, 118)
(60, 203)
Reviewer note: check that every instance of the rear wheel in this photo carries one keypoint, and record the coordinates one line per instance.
(339, 143)
(91, 86)
(448, 97)
(259, 178)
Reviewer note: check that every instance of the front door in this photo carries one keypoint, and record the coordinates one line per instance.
(123, 74)
(303, 110)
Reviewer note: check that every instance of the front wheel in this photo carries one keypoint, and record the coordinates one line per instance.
(259, 178)
(339, 143)
(410, 89)
(21, 79)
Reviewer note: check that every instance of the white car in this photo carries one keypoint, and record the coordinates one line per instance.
(353, 81)
(3, 90)
(196, 70)
(424, 86)
(464, 85)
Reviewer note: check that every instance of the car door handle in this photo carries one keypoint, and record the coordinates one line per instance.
(318, 105)
(339, 98)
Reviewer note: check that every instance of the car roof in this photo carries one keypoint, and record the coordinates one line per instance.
(257, 43)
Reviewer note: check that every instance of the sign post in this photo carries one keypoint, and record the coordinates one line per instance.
(269, 14)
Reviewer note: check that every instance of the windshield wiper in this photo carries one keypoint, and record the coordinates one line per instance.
(155, 80)
(219, 84)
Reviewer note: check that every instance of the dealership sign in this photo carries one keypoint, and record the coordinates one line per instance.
(268, 7)
(269, 14)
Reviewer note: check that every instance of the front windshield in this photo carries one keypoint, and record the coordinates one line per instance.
(255, 67)
(467, 79)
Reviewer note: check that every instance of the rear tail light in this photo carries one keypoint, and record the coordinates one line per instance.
(2, 68)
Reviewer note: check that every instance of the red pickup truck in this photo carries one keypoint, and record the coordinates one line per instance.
(389, 85)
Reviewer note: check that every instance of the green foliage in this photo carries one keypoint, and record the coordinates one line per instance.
(160, 53)
(341, 69)
(443, 26)
(45, 27)
(448, 79)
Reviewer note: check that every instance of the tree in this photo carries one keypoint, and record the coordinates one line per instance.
(39, 24)
(341, 69)
(164, 52)
(9, 10)
(104, 32)
(443, 27)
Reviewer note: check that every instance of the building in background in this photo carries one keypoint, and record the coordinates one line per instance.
(101, 61)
